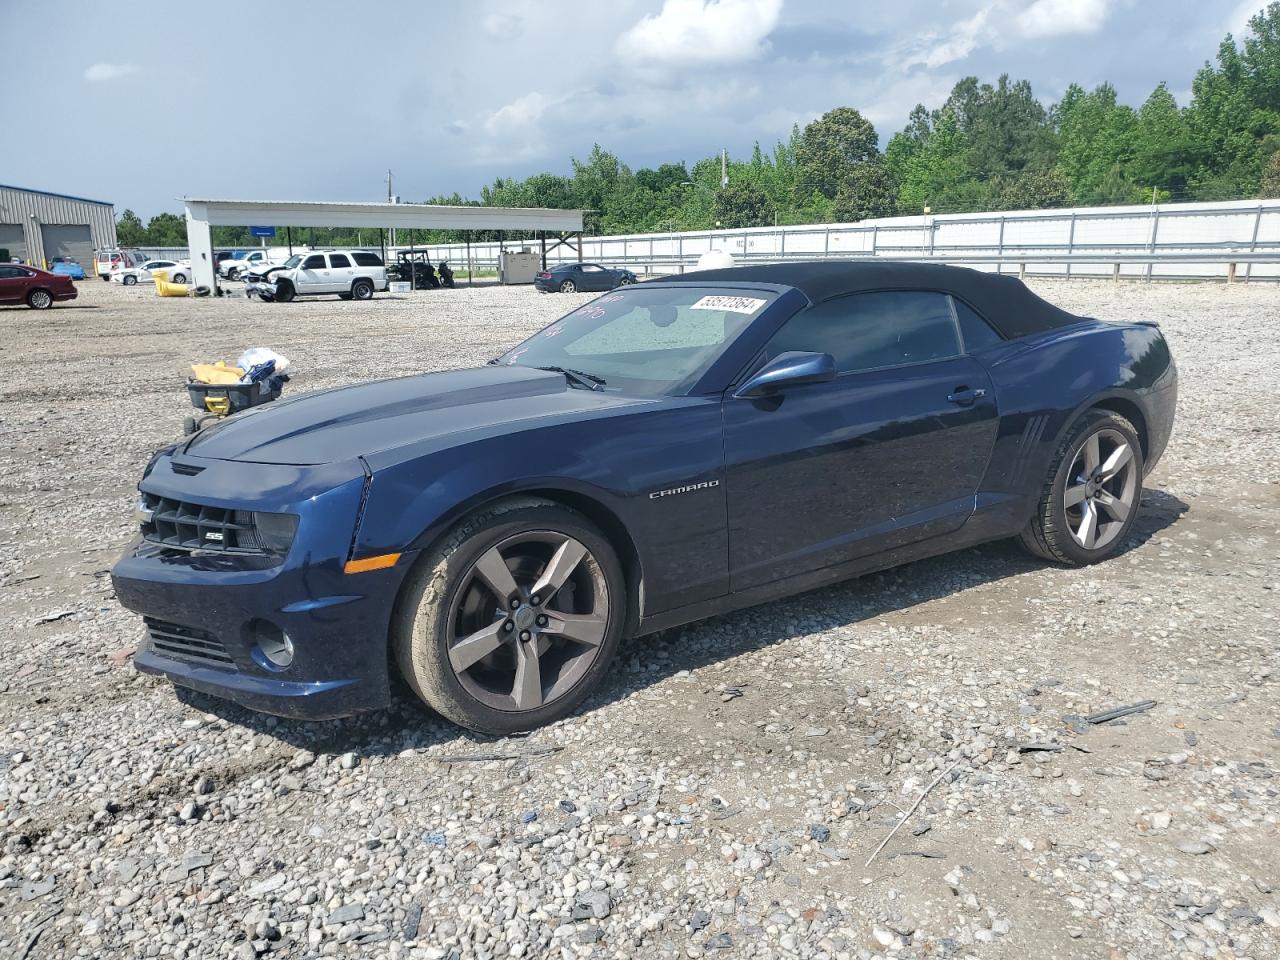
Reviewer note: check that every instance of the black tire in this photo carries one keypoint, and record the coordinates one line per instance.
(626, 281)
(1049, 533)
(362, 290)
(189, 426)
(568, 287)
(441, 582)
(284, 292)
(129, 280)
(179, 278)
(232, 273)
(39, 299)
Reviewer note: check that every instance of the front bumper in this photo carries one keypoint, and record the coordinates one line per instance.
(338, 623)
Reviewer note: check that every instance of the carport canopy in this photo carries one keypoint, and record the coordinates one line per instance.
(203, 214)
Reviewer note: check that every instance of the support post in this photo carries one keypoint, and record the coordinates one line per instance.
(579, 235)
(1231, 272)
(1022, 271)
(1151, 247)
(200, 247)
(1115, 272)
(471, 280)
(875, 238)
(1000, 247)
(542, 239)
(1253, 243)
(826, 242)
(1071, 242)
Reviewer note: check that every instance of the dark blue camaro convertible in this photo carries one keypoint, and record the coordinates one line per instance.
(669, 451)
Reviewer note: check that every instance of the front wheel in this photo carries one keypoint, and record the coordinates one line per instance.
(626, 281)
(1090, 497)
(129, 280)
(362, 290)
(39, 299)
(232, 273)
(514, 619)
(568, 287)
(284, 292)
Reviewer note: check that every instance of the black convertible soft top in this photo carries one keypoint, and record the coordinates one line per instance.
(1003, 300)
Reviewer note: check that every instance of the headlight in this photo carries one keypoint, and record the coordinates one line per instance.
(275, 531)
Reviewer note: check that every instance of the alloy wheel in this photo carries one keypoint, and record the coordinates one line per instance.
(568, 287)
(1102, 489)
(40, 299)
(528, 620)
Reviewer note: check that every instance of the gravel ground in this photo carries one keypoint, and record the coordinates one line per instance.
(723, 792)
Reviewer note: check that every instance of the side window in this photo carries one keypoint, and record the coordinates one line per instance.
(8, 273)
(339, 260)
(314, 262)
(870, 330)
(592, 268)
(363, 259)
(974, 330)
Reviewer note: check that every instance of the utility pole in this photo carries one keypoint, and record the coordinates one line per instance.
(389, 200)
(724, 168)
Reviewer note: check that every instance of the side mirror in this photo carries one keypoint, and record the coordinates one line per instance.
(788, 370)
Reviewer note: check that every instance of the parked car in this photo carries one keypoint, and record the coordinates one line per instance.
(669, 452)
(179, 271)
(67, 267)
(107, 261)
(38, 289)
(351, 274)
(582, 277)
(238, 267)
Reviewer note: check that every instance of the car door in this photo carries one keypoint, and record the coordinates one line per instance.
(889, 452)
(312, 275)
(12, 287)
(341, 273)
(593, 277)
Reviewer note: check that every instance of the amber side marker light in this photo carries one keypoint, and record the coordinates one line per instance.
(371, 563)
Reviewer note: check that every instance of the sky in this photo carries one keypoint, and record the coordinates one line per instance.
(316, 100)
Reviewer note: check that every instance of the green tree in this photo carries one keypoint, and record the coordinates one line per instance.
(930, 175)
(1164, 153)
(830, 147)
(167, 230)
(1031, 190)
(1097, 136)
(869, 191)
(742, 204)
(129, 230)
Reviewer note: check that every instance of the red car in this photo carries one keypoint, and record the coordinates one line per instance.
(36, 288)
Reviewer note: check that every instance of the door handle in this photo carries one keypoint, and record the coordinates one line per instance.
(964, 397)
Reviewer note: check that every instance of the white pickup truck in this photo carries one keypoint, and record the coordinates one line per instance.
(351, 274)
(255, 261)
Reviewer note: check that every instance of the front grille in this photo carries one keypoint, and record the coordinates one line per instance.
(195, 526)
(186, 643)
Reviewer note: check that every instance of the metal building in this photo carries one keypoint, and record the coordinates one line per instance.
(36, 226)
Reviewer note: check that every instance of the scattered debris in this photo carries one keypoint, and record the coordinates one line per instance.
(906, 816)
(54, 617)
(486, 757)
(1115, 713)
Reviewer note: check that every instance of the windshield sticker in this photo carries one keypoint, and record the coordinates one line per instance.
(731, 304)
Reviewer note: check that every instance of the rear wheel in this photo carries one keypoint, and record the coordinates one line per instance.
(626, 281)
(362, 290)
(39, 299)
(568, 287)
(1091, 495)
(514, 619)
(129, 280)
(179, 278)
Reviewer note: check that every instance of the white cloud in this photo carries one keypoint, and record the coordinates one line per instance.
(105, 72)
(520, 112)
(702, 31)
(961, 40)
(1051, 18)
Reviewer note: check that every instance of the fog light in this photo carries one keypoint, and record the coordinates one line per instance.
(273, 648)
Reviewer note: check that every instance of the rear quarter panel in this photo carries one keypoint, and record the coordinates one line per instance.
(1044, 383)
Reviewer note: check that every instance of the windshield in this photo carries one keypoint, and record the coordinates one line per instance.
(646, 340)
(293, 261)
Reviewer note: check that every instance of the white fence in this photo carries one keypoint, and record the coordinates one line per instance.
(1230, 240)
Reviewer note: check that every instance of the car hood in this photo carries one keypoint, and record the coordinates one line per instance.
(446, 408)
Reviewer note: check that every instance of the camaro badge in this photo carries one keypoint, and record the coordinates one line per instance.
(688, 488)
